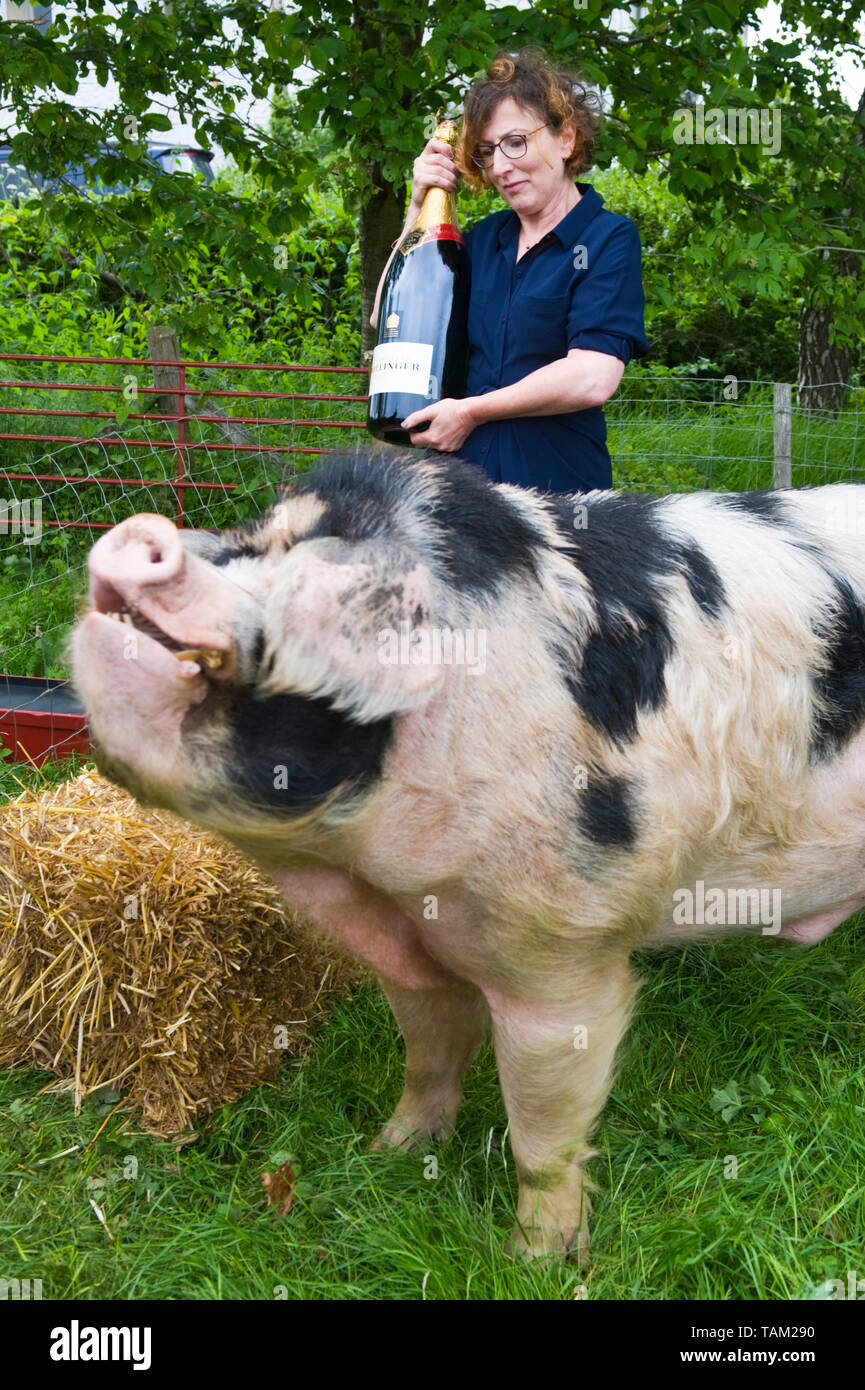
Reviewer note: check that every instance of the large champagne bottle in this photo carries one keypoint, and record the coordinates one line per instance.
(422, 351)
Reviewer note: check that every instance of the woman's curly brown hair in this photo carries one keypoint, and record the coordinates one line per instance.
(557, 95)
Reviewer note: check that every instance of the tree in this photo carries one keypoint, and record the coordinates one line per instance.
(381, 70)
(826, 351)
(769, 218)
(157, 55)
(768, 214)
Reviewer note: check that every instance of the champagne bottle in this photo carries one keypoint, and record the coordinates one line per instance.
(422, 350)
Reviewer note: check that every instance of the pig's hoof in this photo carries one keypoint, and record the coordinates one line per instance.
(410, 1134)
(537, 1242)
(392, 1137)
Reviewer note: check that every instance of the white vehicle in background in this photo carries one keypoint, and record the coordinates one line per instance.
(17, 183)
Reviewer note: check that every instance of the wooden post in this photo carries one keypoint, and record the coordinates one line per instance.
(162, 346)
(782, 473)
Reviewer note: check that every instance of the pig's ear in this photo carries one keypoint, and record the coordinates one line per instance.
(346, 621)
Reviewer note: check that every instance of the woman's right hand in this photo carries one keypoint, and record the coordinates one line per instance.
(435, 167)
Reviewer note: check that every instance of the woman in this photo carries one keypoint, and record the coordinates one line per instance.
(556, 302)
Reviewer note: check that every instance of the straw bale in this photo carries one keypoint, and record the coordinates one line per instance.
(140, 953)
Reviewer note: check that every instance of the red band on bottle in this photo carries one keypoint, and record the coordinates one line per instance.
(443, 231)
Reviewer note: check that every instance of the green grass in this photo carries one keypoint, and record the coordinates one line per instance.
(781, 1024)
(18, 777)
(673, 435)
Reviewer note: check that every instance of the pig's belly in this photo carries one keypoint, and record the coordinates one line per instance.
(819, 882)
(793, 920)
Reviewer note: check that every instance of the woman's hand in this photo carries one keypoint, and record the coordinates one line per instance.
(451, 421)
(435, 167)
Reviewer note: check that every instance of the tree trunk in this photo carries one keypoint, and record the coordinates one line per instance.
(381, 221)
(824, 367)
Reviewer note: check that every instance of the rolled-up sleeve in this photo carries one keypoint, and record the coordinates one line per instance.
(606, 307)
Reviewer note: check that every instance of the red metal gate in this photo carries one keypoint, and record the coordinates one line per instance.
(39, 717)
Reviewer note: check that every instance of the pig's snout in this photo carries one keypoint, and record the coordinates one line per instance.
(141, 572)
(140, 553)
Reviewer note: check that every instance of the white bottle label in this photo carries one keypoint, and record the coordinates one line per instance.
(401, 367)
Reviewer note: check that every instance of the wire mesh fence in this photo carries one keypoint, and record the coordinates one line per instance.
(85, 443)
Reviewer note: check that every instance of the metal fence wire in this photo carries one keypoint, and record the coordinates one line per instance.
(86, 442)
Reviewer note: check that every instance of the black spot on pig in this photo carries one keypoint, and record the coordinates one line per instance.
(703, 579)
(842, 682)
(383, 604)
(487, 541)
(623, 554)
(763, 505)
(360, 497)
(476, 536)
(627, 557)
(606, 810)
(319, 749)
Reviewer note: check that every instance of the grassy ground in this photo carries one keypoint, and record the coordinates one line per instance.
(740, 1051)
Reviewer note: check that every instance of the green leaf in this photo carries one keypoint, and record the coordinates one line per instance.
(717, 16)
(760, 1086)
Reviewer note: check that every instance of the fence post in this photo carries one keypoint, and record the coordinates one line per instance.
(782, 472)
(163, 347)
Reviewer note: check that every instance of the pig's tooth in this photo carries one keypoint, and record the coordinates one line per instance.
(127, 617)
(191, 654)
(212, 658)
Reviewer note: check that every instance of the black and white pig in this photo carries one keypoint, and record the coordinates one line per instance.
(494, 740)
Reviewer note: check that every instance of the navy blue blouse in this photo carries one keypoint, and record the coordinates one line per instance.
(579, 286)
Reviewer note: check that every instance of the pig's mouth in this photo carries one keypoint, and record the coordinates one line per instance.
(111, 604)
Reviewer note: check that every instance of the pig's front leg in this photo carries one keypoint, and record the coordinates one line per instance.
(443, 1019)
(365, 920)
(443, 1029)
(555, 1065)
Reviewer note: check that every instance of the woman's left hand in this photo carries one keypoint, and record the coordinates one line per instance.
(450, 423)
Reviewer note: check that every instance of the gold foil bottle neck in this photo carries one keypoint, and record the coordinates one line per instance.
(439, 205)
(447, 130)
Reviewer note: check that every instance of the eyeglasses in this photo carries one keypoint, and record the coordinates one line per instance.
(514, 146)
